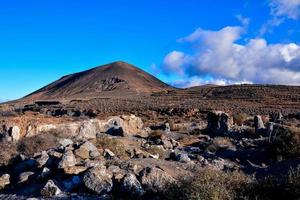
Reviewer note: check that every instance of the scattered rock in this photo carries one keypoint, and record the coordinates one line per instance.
(108, 154)
(68, 160)
(131, 186)
(98, 181)
(74, 170)
(258, 123)
(23, 177)
(87, 130)
(42, 159)
(15, 133)
(46, 172)
(218, 122)
(82, 153)
(4, 180)
(50, 189)
(154, 179)
(65, 142)
(183, 157)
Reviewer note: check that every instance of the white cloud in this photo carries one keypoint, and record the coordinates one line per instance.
(285, 8)
(280, 11)
(174, 62)
(218, 55)
(197, 81)
(245, 21)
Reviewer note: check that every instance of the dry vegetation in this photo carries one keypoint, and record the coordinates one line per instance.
(240, 118)
(209, 185)
(118, 148)
(7, 153)
(285, 143)
(38, 143)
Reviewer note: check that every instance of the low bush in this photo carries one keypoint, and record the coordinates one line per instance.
(156, 134)
(240, 118)
(118, 148)
(269, 188)
(154, 150)
(7, 153)
(38, 143)
(219, 143)
(217, 185)
(209, 185)
(285, 143)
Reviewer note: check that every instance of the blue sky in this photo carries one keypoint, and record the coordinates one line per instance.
(40, 41)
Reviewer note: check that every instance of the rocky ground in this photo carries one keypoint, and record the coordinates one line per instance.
(138, 157)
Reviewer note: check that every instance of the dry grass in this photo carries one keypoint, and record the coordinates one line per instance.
(285, 144)
(154, 150)
(157, 134)
(118, 148)
(38, 143)
(240, 118)
(219, 143)
(7, 153)
(208, 185)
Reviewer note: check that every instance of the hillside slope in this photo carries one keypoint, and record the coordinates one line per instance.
(115, 79)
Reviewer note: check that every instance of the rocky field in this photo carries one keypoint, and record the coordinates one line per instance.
(212, 155)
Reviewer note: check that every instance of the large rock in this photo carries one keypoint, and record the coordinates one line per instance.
(42, 159)
(25, 176)
(154, 179)
(88, 130)
(218, 122)
(45, 128)
(75, 170)
(124, 125)
(131, 186)
(87, 150)
(68, 160)
(4, 180)
(15, 133)
(258, 124)
(98, 180)
(50, 189)
(65, 142)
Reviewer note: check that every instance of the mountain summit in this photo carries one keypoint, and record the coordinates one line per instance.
(114, 79)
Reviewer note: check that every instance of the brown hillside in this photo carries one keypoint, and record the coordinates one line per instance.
(115, 79)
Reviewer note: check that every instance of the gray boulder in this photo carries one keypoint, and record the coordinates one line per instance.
(183, 157)
(4, 180)
(25, 176)
(154, 179)
(68, 160)
(98, 180)
(131, 186)
(50, 189)
(65, 142)
(88, 130)
(219, 122)
(259, 124)
(15, 133)
(42, 159)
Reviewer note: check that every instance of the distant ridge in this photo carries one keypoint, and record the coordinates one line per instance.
(114, 79)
